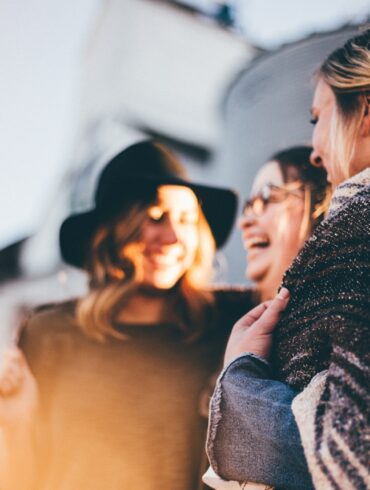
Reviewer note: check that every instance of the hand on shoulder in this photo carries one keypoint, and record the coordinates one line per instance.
(253, 332)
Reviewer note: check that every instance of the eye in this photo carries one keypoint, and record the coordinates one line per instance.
(255, 205)
(155, 214)
(189, 218)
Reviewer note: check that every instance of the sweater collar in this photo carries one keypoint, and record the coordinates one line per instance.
(348, 189)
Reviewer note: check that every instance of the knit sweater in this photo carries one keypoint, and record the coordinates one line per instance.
(326, 329)
(123, 414)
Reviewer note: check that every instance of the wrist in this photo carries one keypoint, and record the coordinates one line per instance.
(250, 359)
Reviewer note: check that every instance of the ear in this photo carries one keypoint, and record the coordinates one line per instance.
(365, 123)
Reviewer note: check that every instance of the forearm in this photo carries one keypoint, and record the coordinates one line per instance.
(252, 433)
(17, 457)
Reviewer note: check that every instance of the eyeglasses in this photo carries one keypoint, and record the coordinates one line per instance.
(271, 194)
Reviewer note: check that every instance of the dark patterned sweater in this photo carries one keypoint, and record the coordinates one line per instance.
(326, 328)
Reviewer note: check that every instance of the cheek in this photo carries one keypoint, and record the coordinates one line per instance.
(320, 137)
(149, 235)
(189, 238)
(317, 139)
(191, 241)
(286, 228)
(144, 233)
(273, 221)
(291, 231)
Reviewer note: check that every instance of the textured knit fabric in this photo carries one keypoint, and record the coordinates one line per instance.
(326, 327)
(123, 415)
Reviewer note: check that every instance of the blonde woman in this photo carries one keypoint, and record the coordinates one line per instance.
(318, 363)
(106, 394)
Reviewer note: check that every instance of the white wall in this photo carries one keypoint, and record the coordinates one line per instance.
(41, 46)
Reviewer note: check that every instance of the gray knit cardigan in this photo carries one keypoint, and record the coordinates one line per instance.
(322, 342)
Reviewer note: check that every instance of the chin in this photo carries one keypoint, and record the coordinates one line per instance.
(255, 274)
(163, 286)
(162, 283)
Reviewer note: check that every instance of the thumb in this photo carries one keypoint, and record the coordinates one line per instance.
(271, 316)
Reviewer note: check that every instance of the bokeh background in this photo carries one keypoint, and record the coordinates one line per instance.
(224, 83)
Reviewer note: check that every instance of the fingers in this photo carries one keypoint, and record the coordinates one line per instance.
(253, 332)
(267, 314)
(253, 315)
(271, 316)
(280, 302)
(12, 372)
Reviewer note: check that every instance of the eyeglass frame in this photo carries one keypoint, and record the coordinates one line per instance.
(264, 197)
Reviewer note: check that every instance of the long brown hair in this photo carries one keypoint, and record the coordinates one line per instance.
(115, 275)
(294, 164)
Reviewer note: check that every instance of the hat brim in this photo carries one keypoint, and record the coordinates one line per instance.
(219, 206)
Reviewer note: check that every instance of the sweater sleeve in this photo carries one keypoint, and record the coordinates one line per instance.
(333, 414)
(252, 434)
(328, 332)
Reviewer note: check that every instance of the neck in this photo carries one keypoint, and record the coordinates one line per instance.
(145, 306)
(267, 290)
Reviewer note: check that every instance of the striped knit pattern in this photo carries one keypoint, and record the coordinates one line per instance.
(344, 192)
(326, 327)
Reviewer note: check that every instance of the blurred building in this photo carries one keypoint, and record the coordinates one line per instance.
(156, 68)
(151, 68)
(266, 109)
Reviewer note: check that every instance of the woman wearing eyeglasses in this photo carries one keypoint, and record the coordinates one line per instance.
(288, 200)
(303, 359)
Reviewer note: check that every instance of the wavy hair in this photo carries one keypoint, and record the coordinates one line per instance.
(347, 72)
(114, 267)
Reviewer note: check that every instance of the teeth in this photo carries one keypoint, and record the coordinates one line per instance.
(256, 241)
(163, 260)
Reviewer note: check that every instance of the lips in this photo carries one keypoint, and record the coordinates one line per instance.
(256, 242)
(163, 260)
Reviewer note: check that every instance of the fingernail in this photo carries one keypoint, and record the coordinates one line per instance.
(283, 293)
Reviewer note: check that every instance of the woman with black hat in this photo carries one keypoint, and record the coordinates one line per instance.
(111, 398)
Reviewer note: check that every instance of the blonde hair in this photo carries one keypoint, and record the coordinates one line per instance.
(347, 71)
(313, 212)
(115, 275)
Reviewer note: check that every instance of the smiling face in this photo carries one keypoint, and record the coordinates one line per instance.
(170, 237)
(272, 233)
(322, 113)
(325, 153)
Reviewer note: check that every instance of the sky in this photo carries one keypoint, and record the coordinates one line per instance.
(42, 43)
(270, 23)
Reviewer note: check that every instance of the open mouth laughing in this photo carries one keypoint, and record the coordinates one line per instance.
(256, 242)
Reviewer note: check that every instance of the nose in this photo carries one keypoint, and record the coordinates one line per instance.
(168, 233)
(246, 220)
(316, 159)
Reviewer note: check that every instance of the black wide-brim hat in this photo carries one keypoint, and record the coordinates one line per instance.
(134, 175)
